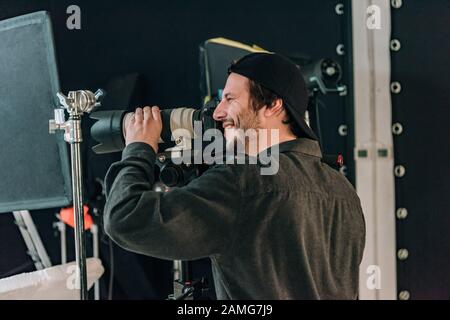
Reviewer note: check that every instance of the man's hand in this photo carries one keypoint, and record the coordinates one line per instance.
(145, 126)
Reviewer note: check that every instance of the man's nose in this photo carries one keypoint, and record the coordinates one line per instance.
(220, 113)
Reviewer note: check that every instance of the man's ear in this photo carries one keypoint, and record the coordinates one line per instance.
(274, 109)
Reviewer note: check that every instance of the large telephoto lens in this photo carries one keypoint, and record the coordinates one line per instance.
(109, 130)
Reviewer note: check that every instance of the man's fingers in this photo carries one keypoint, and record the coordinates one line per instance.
(156, 113)
(138, 115)
(130, 119)
(129, 122)
(145, 127)
(147, 113)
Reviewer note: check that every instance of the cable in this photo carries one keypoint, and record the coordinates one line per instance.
(111, 271)
(319, 130)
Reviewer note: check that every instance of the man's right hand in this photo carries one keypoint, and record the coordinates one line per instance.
(145, 126)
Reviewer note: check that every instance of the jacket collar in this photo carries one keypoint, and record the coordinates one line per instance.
(302, 145)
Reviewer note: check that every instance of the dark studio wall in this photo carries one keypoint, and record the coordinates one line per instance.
(159, 40)
(421, 66)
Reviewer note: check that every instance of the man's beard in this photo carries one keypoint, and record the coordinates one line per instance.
(243, 133)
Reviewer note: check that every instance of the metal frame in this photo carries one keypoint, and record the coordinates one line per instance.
(95, 249)
(373, 148)
(36, 249)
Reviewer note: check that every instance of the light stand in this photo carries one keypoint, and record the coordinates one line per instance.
(76, 103)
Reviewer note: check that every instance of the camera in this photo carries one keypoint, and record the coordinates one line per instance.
(321, 75)
(109, 132)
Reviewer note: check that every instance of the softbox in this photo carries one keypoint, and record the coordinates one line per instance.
(34, 165)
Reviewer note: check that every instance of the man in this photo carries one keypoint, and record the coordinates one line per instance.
(296, 234)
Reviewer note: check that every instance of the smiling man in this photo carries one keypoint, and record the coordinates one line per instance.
(296, 234)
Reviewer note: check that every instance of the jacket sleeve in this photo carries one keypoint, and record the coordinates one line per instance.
(190, 222)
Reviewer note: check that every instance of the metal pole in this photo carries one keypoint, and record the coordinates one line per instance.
(94, 231)
(76, 103)
(77, 183)
(63, 242)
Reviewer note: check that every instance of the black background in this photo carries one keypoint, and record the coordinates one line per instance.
(422, 107)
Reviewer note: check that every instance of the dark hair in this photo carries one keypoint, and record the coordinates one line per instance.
(261, 96)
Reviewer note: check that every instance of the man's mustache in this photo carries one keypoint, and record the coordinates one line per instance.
(231, 122)
(227, 122)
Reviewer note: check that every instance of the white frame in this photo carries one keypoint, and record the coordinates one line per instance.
(374, 174)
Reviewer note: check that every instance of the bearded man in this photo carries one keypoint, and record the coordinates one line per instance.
(296, 234)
